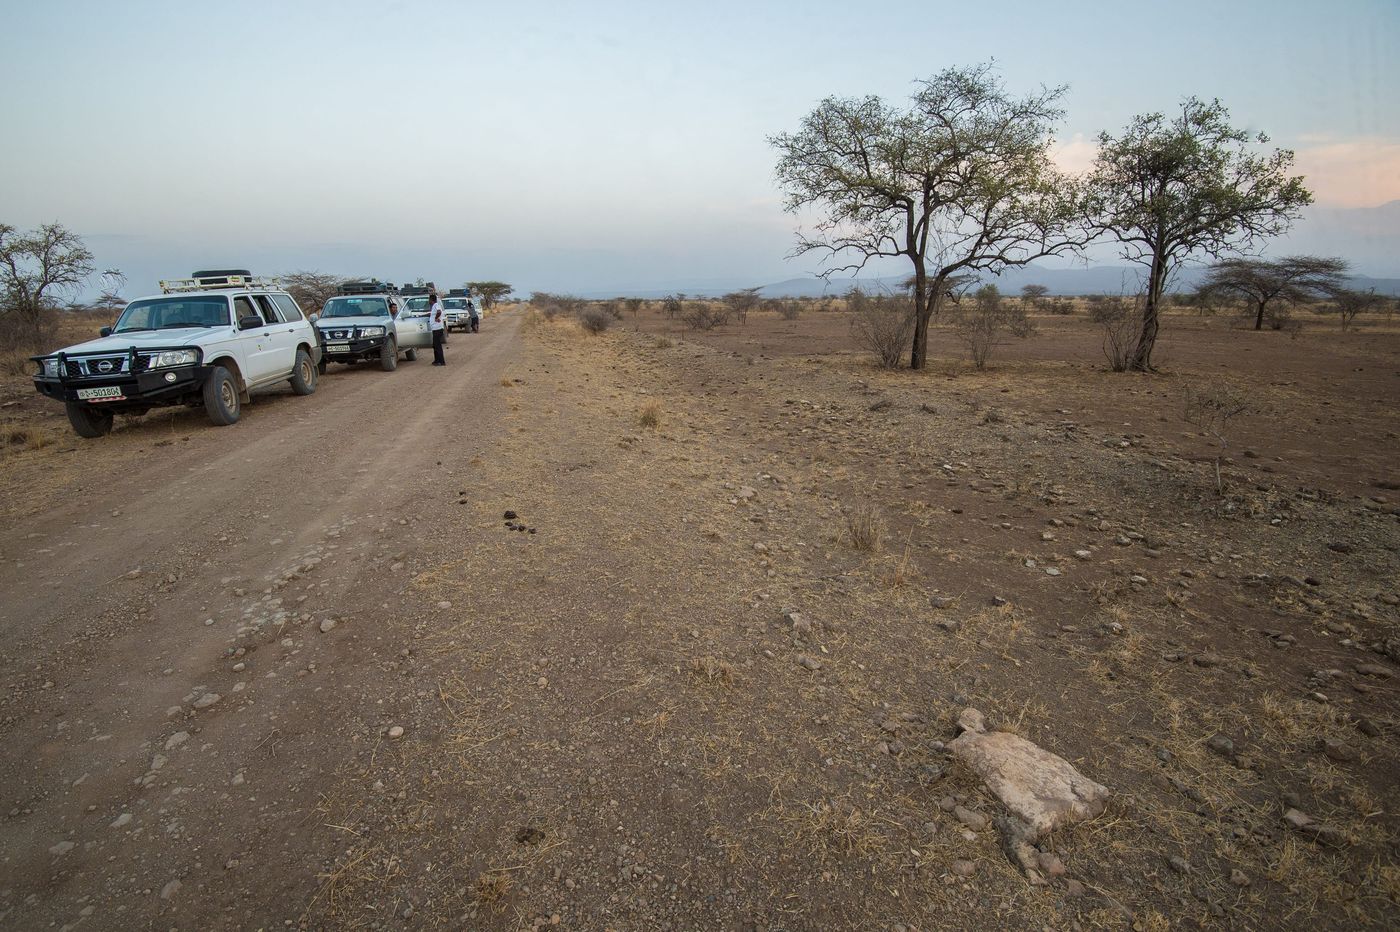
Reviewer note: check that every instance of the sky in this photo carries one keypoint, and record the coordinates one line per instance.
(608, 145)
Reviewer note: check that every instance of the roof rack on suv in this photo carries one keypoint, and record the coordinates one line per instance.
(372, 286)
(209, 280)
(418, 289)
(459, 293)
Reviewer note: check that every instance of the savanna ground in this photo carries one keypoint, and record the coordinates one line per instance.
(610, 717)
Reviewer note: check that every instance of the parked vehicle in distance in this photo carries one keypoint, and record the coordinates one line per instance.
(357, 325)
(457, 309)
(208, 340)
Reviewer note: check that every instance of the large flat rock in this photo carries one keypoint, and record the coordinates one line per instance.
(1042, 789)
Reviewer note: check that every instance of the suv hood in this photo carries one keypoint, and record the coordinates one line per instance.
(144, 339)
(341, 323)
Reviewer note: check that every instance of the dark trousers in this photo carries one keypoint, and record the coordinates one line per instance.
(437, 349)
(476, 325)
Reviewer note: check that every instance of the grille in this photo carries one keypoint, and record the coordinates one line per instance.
(338, 334)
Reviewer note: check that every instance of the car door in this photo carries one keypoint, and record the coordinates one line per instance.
(260, 354)
(412, 331)
(284, 334)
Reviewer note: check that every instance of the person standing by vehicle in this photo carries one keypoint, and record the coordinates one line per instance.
(474, 316)
(436, 324)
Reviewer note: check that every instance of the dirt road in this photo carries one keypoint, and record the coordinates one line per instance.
(170, 699)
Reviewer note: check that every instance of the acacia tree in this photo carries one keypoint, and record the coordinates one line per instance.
(311, 290)
(34, 268)
(491, 292)
(1172, 188)
(1290, 280)
(962, 181)
(1350, 304)
(1034, 294)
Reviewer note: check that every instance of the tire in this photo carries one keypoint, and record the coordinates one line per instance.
(410, 354)
(389, 356)
(221, 401)
(89, 422)
(303, 375)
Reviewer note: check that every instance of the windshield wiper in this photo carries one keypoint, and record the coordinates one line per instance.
(183, 326)
(132, 330)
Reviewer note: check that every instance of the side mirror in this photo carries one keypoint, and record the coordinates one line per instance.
(314, 317)
(251, 322)
(105, 332)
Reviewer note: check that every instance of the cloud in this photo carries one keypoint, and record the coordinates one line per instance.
(1077, 155)
(1353, 173)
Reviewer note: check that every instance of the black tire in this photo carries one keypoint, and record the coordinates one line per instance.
(88, 421)
(303, 374)
(389, 356)
(221, 401)
(410, 354)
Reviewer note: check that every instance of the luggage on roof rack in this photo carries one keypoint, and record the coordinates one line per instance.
(372, 286)
(418, 289)
(459, 293)
(214, 279)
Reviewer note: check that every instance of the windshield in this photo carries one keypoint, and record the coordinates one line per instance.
(454, 304)
(356, 307)
(174, 312)
(416, 306)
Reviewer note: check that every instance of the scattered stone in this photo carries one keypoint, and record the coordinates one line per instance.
(1219, 744)
(62, 848)
(170, 889)
(1374, 669)
(396, 731)
(972, 819)
(1052, 571)
(1239, 878)
(1083, 554)
(1338, 750)
(1179, 864)
(328, 625)
(941, 601)
(811, 663)
(962, 868)
(444, 605)
(206, 700)
(510, 516)
(122, 820)
(1051, 865)
(177, 739)
(1208, 660)
(971, 720)
(1041, 788)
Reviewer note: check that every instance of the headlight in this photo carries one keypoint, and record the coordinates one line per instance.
(51, 368)
(371, 331)
(184, 357)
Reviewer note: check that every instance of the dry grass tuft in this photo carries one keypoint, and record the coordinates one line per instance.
(492, 887)
(651, 415)
(29, 438)
(864, 528)
(712, 671)
(506, 382)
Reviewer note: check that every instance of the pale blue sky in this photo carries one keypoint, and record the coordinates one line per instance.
(601, 146)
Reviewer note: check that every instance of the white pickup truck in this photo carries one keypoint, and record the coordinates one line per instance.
(206, 340)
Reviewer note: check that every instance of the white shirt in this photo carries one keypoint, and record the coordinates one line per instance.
(435, 316)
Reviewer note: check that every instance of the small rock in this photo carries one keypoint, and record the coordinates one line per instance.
(971, 818)
(122, 820)
(1083, 554)
(1374, 669)
(206, 700)
(941, 601)
(170, 889)
(396, 731)
(444, 605)
(1206, 661)
(1051, 865)
(177, 739)
(1239, 878)
(1338, 750)
(1179, 864)
(1221, 745)
(811, 663)
(962, 868)
(62, 848)
(1052, 571)
(328, 625)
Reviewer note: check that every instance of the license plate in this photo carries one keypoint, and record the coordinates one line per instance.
(337, 347)
(110, 393)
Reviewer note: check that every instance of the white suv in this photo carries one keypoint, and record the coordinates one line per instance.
(206, 340)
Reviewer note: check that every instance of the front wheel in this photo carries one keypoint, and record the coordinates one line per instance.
(303, 374)
(87, 421)
(410, 354)
(389, 356)
(221, 401)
